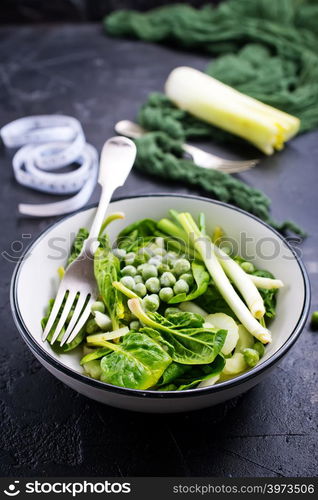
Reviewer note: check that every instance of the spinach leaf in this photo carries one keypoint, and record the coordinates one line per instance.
(197, 374)
(189, 347)
(182, 319)
(76, 248)
(72, 345)
(201, 279)
(137, 234)
(83, 234)
(106, 270)
(269, 296)
(137, 362)
(95, 354)
(168, 387)
(180, 377)
(173, 372)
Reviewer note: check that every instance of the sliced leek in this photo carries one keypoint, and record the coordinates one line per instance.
(234, 365)
(267, 283)
(222, 321)
(99, 339)
(192, 308)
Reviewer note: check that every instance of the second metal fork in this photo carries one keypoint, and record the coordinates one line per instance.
(199, 157)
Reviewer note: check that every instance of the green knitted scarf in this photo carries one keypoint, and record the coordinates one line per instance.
(266, 49)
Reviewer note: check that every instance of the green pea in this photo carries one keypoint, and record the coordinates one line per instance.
(130, 258)
(129, 271)
(171, 310)
(91, 326)
(98, 306)
(188, 277)
(119, 253)
(155, 261)
(163, 268)
(166, 294)
(247, 267)
(134, 325)
(140, 267)
(260, 348)
(151, 247)
(151, 302)
(314, 320)
(170, 258)
(144, 252)
(138, 278)
(181, 266)
(251, 356)
(153, 285)
(140, 289)
(128, 281)
(181, 286)
(159, 252)
(167, 279)
(149, 271)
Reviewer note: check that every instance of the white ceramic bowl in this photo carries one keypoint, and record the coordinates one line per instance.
(35, 281)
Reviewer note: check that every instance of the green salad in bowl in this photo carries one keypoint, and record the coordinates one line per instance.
(177, 309)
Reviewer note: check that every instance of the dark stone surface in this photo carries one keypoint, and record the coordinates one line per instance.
(46, 428)
(34, 11)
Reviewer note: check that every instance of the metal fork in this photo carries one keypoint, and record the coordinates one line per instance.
(78, 286)
(199, 157)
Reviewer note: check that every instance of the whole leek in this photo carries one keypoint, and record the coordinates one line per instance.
(214, 102)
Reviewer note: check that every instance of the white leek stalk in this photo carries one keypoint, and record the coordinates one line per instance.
(266, 283)
(123, 289)
(205, 248)
(191, 307)
(99, 338)
(214, 102)
(241, 280)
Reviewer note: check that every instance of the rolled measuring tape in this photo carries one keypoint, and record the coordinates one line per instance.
(48, 143)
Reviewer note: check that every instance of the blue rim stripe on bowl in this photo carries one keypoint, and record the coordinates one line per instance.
(35, 346)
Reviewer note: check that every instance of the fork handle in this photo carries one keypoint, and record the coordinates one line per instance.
(129, 129)
(117, 158)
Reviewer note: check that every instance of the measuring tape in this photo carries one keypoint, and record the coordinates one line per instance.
(48, 143)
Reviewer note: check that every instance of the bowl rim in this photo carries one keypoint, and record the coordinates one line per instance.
(97, 384)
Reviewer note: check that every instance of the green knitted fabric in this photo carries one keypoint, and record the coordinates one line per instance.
(162, 156)
(160, 114)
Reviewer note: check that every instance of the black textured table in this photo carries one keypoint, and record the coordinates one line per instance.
(46, 428)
